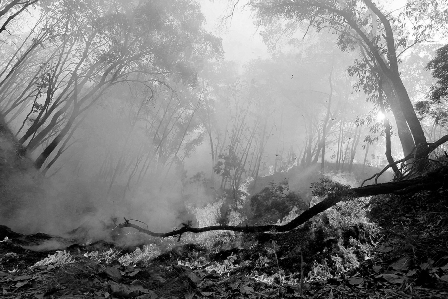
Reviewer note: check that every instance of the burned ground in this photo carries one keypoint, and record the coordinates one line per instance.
(398, 252)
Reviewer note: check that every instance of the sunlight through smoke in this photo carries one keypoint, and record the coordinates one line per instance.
(380, 116)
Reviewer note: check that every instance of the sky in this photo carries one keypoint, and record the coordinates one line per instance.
(241, 39)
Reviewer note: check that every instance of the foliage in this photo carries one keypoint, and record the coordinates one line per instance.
(435, 111)
(211, 214)
(432, 109)
(319, 272)
(381, 38)
(345, 235)
(343, 18)
(224, 267)
(326, 186)
(413, 220)
(106, 257)
(274, 203)
(97, 46)
(207, 215)
(344, 253)
(11, 10)
(341, 237)
(148, 253)
(439, 69)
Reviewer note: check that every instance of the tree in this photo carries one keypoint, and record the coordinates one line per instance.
(155, 129)
(439, 69)
(9, 10)
(94, 46)
(379, 36)
(433, 109)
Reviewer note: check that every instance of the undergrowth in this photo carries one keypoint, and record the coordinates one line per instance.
(328, 246)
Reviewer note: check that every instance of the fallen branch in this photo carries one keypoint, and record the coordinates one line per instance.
(430, 181)
(436, 144)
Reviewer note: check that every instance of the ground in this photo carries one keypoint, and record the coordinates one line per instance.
(401, 251)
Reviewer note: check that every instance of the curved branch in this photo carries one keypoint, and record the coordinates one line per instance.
(352, 23)
(428, 182)
(436, 144)
(390, 40)
(302, 218)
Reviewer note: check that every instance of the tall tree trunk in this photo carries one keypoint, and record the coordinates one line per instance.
(317, 148)
(327, 117)
(393, 74)
(340, 145)
(387, 129)
(389, 157)
(365, 157)
(354, 147)
(259, 156)
(404, 133)
(409, 113)
(388, 71)
(52, 146)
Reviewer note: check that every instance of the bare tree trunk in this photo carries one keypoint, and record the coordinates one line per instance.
(52, 146)
(259, 156)
(354, 147)
(365, 157)
(327, 118)
(62, 149)
(340, 145)
(404, 133)
(409, 112)
(392, 73)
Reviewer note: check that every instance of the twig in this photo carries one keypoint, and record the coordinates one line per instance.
(377, 175)
(416, 153)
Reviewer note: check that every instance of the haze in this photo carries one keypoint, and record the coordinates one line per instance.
(161, 112)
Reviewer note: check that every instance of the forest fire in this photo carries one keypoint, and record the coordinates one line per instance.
(223, 149)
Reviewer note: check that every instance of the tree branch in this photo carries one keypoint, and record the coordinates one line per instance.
(429, 148)
(430, 181)
(11, 17)
(355, 26)
(390, 40)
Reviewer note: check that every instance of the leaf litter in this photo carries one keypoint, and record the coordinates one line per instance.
(397, 268)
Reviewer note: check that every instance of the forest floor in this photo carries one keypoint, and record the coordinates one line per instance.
(401, 251)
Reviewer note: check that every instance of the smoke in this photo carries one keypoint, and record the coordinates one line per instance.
(80, 209)
(132, 154)
(47, 246)
(77, 202)
(110, 172)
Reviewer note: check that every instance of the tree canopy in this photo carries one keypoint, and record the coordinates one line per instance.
(439, 69)
(86, 47)
(380, 37)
